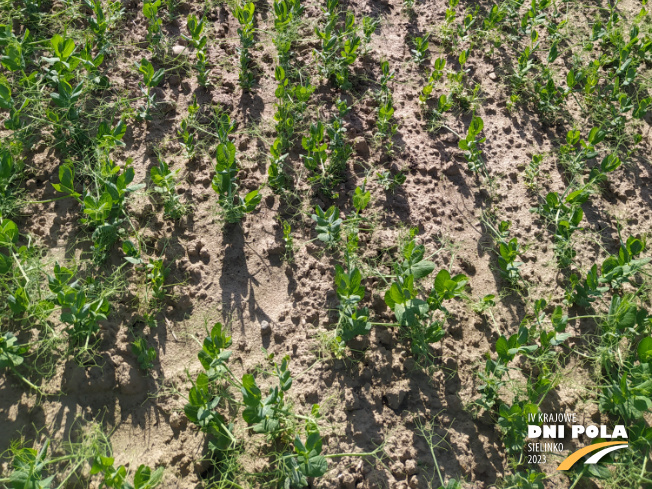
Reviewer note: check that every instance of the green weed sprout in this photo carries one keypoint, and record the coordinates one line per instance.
(144, 354)
(327, 175)
(339, 46)
(187, 138)
(79, 312)
(420, 50)
(103, 207)
(471, 146)
(386, 128)
(12, 355)
(291, 103)
(165, 183)
(353, 321)
(150, 11)
(369, 27)
(288, 240)
(102, 21)
(245, 16)
(198, 42)
(116, 477)
(151, 79)
(270, 415)
(328, 225)
(390, 182)
(156, 275)
(286, 15)
(225, 185)
(11, 172)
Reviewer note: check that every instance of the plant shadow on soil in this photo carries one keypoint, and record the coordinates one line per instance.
(236, 282)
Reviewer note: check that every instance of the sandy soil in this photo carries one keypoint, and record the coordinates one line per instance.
(236, 273)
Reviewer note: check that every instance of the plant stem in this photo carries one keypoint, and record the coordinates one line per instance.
(20, 267)
(231, 483)
(30, 202)
(339, 455)
(228, 432)
(22, 377)
(586, 317)
(578, 478)
(432, 453)
(451, 130)
(643, 468)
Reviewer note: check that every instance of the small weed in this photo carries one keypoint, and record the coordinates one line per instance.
(145, 355)
(165, 183)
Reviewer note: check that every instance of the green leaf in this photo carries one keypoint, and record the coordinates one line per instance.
(8, 232)
(440, 281)
(596, 135)
(68, 48)
(552, 55)
(570, 79)
(13, 58)
(395, 296)
(627, 320)
(598, 471)
(299, 447)
(610, 163)
(11, 355)
(645, 350)
(156, 78)
(559, 338)
(634, 246)
(361, 199)
(251, 396)
(353, 323)
(328, 224)
(66, 179)
(146, 479)
(98, 210)
(18, 301)
(463, 57)
(559, 319)
(6, 101)
(421, 269)
(101, 464)
(279, 74)
(250, 391)
(143, 473)
(477, 124)
(5, 263)
(251, 200)
(348, 285)
(120, 129)
(315, 466)
(502, 348)
(225, 156)
(577, 197)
